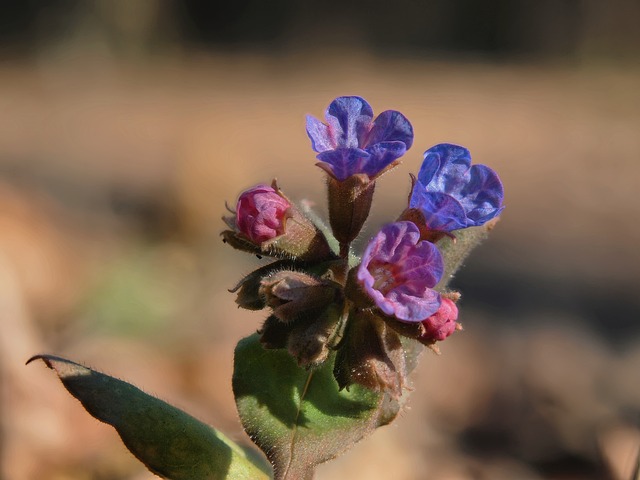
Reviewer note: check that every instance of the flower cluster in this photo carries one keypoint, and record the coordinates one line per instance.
(321, 300)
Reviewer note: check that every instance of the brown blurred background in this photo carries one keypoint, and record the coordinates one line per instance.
(124, 127)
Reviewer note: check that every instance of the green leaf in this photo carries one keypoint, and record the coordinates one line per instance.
(298, 417)
(171, 443)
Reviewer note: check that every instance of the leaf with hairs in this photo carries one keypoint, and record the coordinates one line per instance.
(171, 443)
(455, 250)
(298, 417)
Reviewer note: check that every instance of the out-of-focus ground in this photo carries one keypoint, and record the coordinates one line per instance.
(113, 179)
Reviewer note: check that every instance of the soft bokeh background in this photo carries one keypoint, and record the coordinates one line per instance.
(124, 127)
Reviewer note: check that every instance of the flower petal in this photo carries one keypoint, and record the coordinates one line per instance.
(441, 211)
(408, 307)
(260, 213)
(344, 162)
(349, 120)
(482, 196)
(382, 155)
(442, 323)
(321, 139)
(390, 126)
(398, 272)
(445, 167)
(451, 193)
(423, 267)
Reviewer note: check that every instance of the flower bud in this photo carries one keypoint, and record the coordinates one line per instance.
(371, 355)
(265, 222)
(441, 324)
(248, 289)
(261, 213)
(292, 294)
(309, 340)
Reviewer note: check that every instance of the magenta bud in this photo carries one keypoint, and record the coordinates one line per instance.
(265, 222)
(261, 213)
(442, 323)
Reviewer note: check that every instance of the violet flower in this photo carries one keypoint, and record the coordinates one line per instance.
(261, 213)
(352, 142)
(452, 194)
(398, 271)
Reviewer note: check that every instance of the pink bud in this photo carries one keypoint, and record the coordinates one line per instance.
(442, 323)
(261, 213)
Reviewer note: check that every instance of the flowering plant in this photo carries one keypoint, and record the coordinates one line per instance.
(330, 362)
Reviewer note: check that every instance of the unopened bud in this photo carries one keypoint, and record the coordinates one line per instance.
(248, 289)
(261, 213)
(292, 294)
(309, 340)
(265, 222)
(442, 323)
(371, 355)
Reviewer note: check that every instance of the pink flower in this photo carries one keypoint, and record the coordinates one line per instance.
(442, 323)
(398, 271)
(261, 213)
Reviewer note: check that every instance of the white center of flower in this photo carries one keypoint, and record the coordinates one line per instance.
(385, 276)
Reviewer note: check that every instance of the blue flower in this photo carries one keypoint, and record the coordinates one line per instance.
(452, 194)
(352, 142)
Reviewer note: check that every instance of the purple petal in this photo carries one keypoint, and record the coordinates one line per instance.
(441, 211)
(453, 184)
(444, 168)
(410, 308)
(424, 267)
(482, 196)
(391, 238)
(320, 135)
(344, 162)
(398, 271)
(390, 126)
(349, 120)
(382, 155)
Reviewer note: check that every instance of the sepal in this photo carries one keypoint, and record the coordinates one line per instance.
(349, 205)
(248, 289)
(371, 355)
(294, 294)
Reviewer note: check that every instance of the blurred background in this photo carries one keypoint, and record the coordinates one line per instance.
(125, 126)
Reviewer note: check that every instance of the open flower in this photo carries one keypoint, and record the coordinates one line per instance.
(451, 194)
(398, 271)
(261, 213)
(352, 142)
